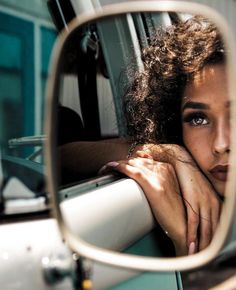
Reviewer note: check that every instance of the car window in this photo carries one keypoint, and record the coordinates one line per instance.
(97, 68)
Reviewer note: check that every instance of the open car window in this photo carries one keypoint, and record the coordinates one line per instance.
(95, 76)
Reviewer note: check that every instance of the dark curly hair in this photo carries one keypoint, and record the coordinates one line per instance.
(152, 104)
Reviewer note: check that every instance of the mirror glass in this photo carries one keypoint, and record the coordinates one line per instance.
(26, 44)
(149, 90)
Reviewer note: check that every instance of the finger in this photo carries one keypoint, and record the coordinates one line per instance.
(192, 228)
(192, 212)
(142, 163)
(119, 166)
(142, 175)
(108, 168)
(215, 217)
(125, 168)
(143, 154)
(205, 230)
(150, 166)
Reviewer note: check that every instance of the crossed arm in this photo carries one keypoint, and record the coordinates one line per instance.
(182, 200)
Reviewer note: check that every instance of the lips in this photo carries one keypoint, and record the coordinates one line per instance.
(220, 172)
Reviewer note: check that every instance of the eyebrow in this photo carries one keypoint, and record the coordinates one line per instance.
(195, 105)
(198, 105)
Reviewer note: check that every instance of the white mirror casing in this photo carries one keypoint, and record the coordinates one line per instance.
(226, 231)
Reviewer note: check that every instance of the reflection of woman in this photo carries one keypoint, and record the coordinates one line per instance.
(179, 100)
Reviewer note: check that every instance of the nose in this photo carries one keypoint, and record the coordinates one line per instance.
(221, 142)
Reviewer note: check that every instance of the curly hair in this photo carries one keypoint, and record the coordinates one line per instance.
(152, 104)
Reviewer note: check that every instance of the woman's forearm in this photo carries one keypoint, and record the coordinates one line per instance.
(87, 157)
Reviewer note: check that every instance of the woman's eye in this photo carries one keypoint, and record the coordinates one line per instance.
(196, 120)
(199, 121)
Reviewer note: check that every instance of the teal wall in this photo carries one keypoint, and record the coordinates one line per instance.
(35, 8)
(25, 51)
(16, 77)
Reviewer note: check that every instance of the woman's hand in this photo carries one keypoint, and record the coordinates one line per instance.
(203, 206)
(159, 182)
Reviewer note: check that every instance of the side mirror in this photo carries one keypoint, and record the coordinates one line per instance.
(97, 204)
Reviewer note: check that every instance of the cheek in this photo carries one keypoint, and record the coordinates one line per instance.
(198, 146)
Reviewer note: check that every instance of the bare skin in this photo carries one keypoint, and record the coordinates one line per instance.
(197, 223)
(202, 204)
(205, 122)
(202, 173)
(198, 194)
(163, 197)
(173, 178)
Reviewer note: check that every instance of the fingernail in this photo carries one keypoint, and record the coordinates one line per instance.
(148, 156)
(143, 154)
(191, 249)
(101, 170)
(112, 164)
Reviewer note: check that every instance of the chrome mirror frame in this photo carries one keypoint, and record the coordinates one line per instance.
(229, 209)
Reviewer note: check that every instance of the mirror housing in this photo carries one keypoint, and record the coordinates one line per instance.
(226, 231)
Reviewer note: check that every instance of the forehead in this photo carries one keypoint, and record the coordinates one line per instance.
(208, 85)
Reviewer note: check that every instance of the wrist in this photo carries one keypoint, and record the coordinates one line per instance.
(169, 153)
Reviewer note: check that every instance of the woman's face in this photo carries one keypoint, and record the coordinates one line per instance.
(205, 121)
